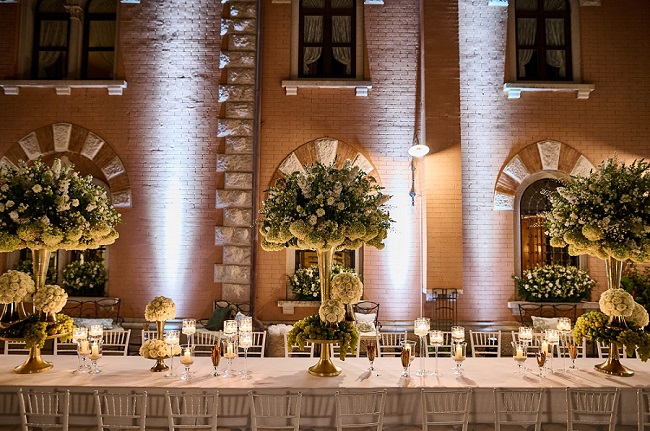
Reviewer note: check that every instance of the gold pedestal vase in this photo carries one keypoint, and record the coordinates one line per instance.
(612, 365)
(160, 365)
(325, 367)
(12, 313)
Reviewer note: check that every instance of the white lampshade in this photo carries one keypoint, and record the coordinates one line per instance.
(418, 150)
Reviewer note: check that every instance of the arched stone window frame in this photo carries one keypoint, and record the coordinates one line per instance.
(543, 159)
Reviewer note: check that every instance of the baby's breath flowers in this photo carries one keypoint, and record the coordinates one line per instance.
(604, 214)
(52, 208)
(325, 207)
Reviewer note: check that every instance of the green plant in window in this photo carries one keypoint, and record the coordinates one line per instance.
(84, 278)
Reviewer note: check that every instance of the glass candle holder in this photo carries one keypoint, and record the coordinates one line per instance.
(519, 355)
(526, 334)
(564, 324)
(421, 326)
(437, 338)
(229, 352)
(459, 351)
(187, 359)
(406, 356)
(95, 332)
(172, 340)
(552, 338)
(80, 337)
(94, 355)
(246, 324)
(189, 329)
(457, 334)
(245, 342)
(230, 328)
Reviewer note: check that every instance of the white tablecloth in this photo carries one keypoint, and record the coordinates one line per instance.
(132, 373)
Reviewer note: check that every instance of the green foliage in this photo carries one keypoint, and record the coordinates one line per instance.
(305, 282)
(84, 278)
(593, 326)
(637, 284)
(554, 283)
(35, 332)
(312, 328)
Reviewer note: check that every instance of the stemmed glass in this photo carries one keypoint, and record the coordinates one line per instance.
(245, 341)
(573, 354)
(422, 326)
(80, 336)
(541, 360)
(526, 338)
(460, 353)
(171, 339)
(437, 339)
(564, 328)
(519, 356)
(552, 337)
(95, 354)
(215, 356)
(189, 329)
(187, 359)
(229, 352)
(406, 357)
(371, 350)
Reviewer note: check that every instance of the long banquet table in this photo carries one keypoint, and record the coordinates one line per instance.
(131, 373)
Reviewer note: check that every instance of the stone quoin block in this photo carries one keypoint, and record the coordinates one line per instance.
(225, 235)
(234, 198)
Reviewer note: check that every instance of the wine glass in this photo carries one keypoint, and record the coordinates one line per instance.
(229, 352)
(171, 339)
(541, 360)
(215, 356)
(95, 354)
(189, 329)
(187, 359)
(245, 341)
(437, 338)
(573, 354)
(519, 355)
(371, 350)
(460, 353)
(406, 356)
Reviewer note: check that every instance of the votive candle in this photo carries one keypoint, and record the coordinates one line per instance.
(246, 324)
(230, 327)
(436, 337)
(421, 326)
(458, 333)
(525, 333)
(552, 336)
(564, 324)
(189, 326)
(96, 331)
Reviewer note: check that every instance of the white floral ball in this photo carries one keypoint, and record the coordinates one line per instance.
(156, 349)
(347, 288)
(15, 286)
(160, 308)
(331, 311)
(616, 302)
(639, 316)
(50, 299)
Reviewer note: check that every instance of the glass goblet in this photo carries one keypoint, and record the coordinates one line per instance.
(187, 359)
(519, 355)
(230, 353)
(95, 354)
(215, 356)
(371, 350)
(541, 361)
(406, 356)
(459, 354)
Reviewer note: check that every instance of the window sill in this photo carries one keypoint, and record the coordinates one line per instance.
(63, 87)
(288, 307)
(291, 86)
(513, 90)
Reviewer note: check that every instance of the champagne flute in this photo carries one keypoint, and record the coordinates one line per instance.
(573, 354)
(406, 357)
(371, 349)
(215, 356)
(541, 360)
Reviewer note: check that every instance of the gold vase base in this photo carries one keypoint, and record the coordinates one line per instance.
(324, 368)
(160, 366)
(33, 365)
(614, 368)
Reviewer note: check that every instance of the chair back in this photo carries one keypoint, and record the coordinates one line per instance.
(192, 411)
(485, 343)
(15, 348)
(390, 343)
(149, 334)
(116, 342)
(518, 407)
(336, 350)
(360, 410)
(603, 350)
(121, 411)
(369, 308)
(294, 349)
(643, 406)
(580, 346)
(276, 411)
(44, 409)
(64, 347)
(449, 407)
(592, 407)
(258, 347)
(204, 341)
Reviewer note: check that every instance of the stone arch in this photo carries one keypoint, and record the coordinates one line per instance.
(547, 155)
(89, 152)
(325, 150)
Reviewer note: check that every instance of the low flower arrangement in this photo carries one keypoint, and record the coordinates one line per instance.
(35, 332)
(84, 278)
(157, 349)
(50, 299)
(305, 282)
(313, 328)
(15, 286)
(52, 208)
(159, 309)
(554, 283)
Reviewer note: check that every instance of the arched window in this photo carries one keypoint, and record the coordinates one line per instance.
(534, 244)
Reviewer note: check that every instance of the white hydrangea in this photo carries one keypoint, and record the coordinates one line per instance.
(347, 288)
(15, 286)
(616, 302)
(50, 299)
(160, 308)
(331, 311)
(639, 316)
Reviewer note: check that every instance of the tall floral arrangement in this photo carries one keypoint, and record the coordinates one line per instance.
(604, 214)
(52, 208)
(325, 207)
